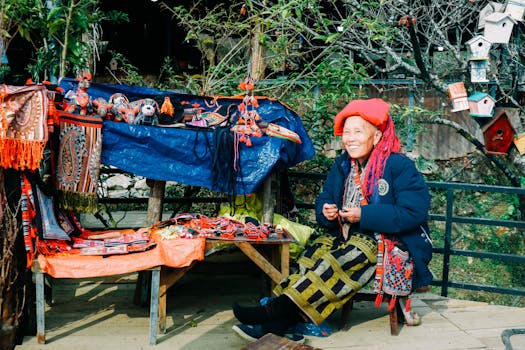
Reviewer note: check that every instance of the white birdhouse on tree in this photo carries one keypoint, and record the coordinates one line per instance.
(498, 27)
(458, 96)
(481, 104)
(489, 9)
(478, 71)
(515, 9)
(478, 48)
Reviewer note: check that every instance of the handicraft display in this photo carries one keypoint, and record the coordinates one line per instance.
(191, 225)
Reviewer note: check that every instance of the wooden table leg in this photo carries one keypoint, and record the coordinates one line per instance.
(40, 307)
(154, 305)
(285, 259)
(260, 261)
(167, 279)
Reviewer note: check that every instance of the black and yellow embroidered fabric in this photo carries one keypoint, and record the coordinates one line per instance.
(330, 273)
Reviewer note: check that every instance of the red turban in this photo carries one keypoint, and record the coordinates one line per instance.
(374, 111)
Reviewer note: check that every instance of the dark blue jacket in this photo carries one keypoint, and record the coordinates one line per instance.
(401, 209)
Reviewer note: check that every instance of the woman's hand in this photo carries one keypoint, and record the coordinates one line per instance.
(351, 214)
(330, 211)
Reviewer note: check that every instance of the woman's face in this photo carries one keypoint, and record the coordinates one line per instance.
(359, 138)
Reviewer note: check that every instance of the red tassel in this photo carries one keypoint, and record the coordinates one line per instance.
(379, 300)
(392, 303)
(407, 306)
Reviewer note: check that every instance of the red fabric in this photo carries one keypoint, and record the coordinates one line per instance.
(374, 111)
(172, 253)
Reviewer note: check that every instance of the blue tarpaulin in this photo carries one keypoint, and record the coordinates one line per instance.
(189, 156)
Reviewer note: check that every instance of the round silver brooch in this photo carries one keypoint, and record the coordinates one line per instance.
(383, 187)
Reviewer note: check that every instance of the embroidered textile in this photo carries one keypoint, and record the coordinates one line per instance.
(353, 193)
(27, 203)
(78, 161)
(23, 126)
(330, 273)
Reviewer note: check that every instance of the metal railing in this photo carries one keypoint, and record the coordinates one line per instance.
(447, 250)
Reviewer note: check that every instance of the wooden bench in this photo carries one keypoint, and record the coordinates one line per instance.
(396, 316)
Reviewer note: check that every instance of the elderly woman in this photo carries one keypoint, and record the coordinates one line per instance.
(371, 188)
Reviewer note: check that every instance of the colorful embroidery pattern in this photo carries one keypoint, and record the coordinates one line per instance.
(78, 161)
(23, 126)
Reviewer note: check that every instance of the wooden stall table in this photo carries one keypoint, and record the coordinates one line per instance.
(178, 254)
(189, 156)
(276, 266)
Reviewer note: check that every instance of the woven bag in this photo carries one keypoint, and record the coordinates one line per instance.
(394, 271)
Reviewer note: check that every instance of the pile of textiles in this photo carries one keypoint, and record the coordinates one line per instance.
(105, 243)
(191, 225)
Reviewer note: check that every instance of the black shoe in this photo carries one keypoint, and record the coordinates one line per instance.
(295, 337)
(248, 332)
(250, 315)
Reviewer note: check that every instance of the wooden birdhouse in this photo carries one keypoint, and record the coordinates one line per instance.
(489, 9)
(478, 48)
(481, 105)
(499, 133)
(515, 9)
(498, 27)
(519, 142)
(458, 96)
(478, 71)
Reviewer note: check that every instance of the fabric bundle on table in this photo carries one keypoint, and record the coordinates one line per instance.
(23, 126)
(78, 161)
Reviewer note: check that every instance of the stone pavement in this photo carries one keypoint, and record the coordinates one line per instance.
(100, 314)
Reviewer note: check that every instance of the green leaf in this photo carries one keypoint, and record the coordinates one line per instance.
(331, 37)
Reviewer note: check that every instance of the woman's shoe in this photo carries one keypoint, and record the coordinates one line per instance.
(254, 332)
(411, 318)
(251, 315)
(248, 332)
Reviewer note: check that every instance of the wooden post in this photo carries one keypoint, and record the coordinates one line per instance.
(257, 68)
(267, 201)
(258, 64)
(155, 201)
(154, 214)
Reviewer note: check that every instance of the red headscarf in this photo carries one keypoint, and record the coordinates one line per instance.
(374, 111)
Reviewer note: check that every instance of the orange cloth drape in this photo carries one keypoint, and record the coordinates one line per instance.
(172, 253)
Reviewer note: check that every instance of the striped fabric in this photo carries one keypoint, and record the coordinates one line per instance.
(330, 273)
(29, 228)
(78, 161)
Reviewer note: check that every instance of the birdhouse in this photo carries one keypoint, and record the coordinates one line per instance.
(499, 133)
(498, 27)
(478, 71)
(481, 105)
(515, 9)
(489, 9)
(478, 48)
(458, 96)
(519, 142)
